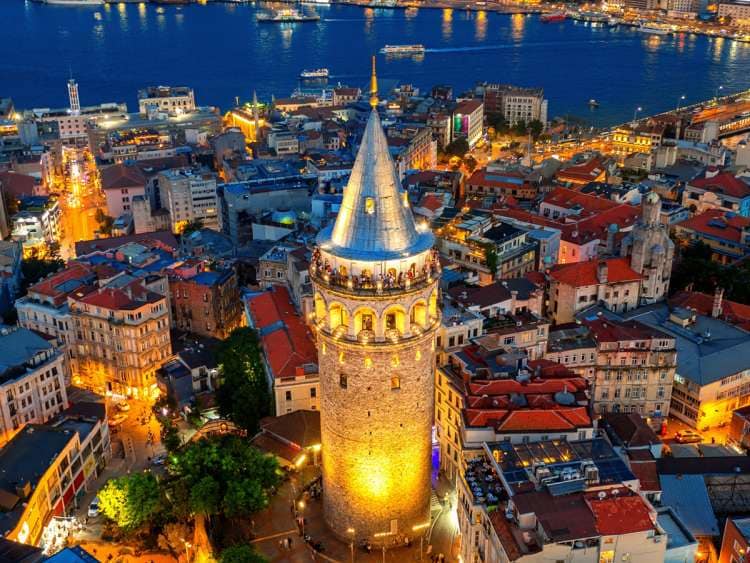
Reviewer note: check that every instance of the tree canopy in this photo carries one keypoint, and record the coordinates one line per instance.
(244, 396)
(695, 270)
(131, 500)
(458, 147)
(241, 554)
(221, 475)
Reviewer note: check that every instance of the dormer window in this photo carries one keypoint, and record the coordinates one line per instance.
(370, 205)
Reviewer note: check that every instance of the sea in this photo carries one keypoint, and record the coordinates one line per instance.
(224, 54)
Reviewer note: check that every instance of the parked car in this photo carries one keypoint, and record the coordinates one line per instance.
(688, 437)
(94, 508)
(159, 459)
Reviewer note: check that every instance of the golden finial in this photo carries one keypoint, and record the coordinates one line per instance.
(373, 86)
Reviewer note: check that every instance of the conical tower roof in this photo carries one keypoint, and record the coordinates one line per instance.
(374, 221)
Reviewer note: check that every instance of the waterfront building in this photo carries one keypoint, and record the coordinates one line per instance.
(289, 351)
(636, 138)
(515, 104)
(174, 100)
(738, 11)
(375, 293)
(635, 369)
(189, 194)
(32, 380)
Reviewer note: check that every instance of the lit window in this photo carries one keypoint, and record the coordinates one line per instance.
(370, 205)
(395, 383)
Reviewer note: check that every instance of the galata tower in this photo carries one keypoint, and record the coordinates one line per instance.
(375, 279)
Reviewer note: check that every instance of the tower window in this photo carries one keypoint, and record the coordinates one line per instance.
(395, 383)
(366, 322)
(343, 381)
(390, 321)
(370, 205)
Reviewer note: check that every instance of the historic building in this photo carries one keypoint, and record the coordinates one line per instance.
(375, 309)
(651, 251)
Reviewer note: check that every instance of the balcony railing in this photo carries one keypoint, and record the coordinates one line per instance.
(398, 282)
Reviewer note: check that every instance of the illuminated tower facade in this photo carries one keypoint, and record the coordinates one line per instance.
(75, 102)
(375, 292)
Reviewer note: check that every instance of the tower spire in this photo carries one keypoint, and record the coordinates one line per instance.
(373, 86)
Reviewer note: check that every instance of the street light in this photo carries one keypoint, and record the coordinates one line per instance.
(188, 545)
(351, 531)
(421, 537)
(719, 89)
(679, 102)
(636, 112)
(301, 506)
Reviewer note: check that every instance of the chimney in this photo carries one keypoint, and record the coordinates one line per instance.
(601, 271)
(718, 297)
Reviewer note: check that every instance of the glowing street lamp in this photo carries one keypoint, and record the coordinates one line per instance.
(351, 544)
(719, 89)
(679, 102)
(637, 110)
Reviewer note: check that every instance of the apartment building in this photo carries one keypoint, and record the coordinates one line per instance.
(289, 352)
(556, 500)
(610, 282)
(32, 380)
(516, 104)
(468, 121)
(486, 394)
(205, 302)
(121, 338)
(635, 369)
(189, 195)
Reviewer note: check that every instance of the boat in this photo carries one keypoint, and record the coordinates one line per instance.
(326, 2)
(593, 103)
(614, 22)
(403, 50)
(315, 73)
(286, 15)
(653, 29)
(75, 2)
(553, 17)
(590, 17)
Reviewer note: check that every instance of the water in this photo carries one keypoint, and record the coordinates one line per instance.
(222, 52)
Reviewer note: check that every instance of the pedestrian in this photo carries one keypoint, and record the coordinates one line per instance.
(289, 541)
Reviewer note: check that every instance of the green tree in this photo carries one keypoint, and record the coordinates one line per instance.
(498, 123)
(170, 435)
(192, 226)
(34, 268)
(490, 258)
(244, 396)
(459, 147)
(241, 554)
(470, 163)
(105, 222)
(131, 500)
(520, 128)
(536, 128)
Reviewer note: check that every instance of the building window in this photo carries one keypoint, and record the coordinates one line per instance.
(288, 395)
(342, 381)
(395, 382)
(313, 392)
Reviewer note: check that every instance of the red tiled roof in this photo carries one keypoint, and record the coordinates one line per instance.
(479, 178)
(532, 420)
(17, 185)
(51, 286)
(723, 183)
(580, 274)
(119, 176)
(431, 202)
(567, 198)
(288, 346)
(717, 223)
(646, 473)
(586, 172)
(731, 311)
(607, 330)
(618, 515)
(467, 107)
(132, 296)
(160, 239)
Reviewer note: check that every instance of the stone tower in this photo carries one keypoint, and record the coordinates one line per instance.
(375, 276)
(651, 251)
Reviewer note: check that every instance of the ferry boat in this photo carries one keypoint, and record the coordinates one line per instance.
(553, 17)
(286, 15)
(315, 73)
(653, 29)
(326, 2)
(403, 50)
(75, 2)
(590, 17)
(593, 103)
